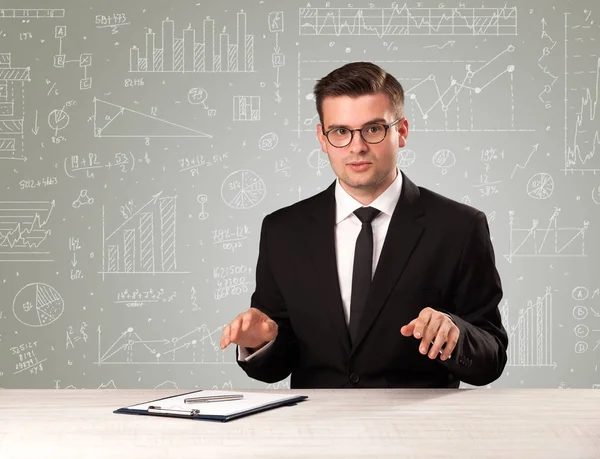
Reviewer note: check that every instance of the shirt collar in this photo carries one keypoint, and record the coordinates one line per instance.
(386, 202)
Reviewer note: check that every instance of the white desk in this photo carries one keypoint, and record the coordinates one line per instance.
(351, 423)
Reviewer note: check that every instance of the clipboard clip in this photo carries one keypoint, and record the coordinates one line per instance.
(159, 410)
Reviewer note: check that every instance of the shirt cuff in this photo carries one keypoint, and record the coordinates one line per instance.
(244, 354)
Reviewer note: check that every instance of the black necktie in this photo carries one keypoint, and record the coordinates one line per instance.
(363, 266)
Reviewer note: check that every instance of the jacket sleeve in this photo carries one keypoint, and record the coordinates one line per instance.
(480, 354)
(277, 362)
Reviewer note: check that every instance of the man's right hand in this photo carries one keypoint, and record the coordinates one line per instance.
(252, 329)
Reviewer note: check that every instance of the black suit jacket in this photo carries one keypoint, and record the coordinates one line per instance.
(437, 253)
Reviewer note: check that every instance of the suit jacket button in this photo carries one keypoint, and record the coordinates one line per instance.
(354, 378)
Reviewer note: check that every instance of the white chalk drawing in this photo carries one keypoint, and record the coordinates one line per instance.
(197, 96)
(122, 162)
(540, 186)
(277, 57)
(549, 241)
(198, 346)
(318, 159)
(60, 59)
(582, 132)
(444, 159)
(145, 243)
(202, 199)
(23, 231)
(243, 189)
(185, 54)
(531, 335)
(31, 13)
(12, 109)
(547, 51)
(596, 194)
(112, 120)
(406, 158)
(38, 305)
(83, 199)
(518, 166)
(402, 20)
(268, 141)
(58, 120)
(246, 108)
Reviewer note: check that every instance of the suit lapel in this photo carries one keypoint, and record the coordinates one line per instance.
(321, 243)
(402, 236)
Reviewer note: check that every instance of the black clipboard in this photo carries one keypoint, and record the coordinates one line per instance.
(195, 411)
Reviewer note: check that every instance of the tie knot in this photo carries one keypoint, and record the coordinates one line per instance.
(366, 214)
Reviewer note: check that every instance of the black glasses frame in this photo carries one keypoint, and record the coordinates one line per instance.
(386, 127)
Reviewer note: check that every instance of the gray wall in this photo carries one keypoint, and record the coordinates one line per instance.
(132, 199)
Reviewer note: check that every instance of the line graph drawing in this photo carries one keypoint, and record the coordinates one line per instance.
(112, 120)
(198, 346)
(145, 243)
(550, 241)
(444, 96)
(38, 305)
(186, 55)
(23, 230)
(531, 335)
(582, 131)
(408, 21)
(12, 109)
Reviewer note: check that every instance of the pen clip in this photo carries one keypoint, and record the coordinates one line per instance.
(159, 410)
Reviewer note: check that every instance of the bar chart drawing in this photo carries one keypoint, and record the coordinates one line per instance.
(145, 243)
(549, 241)
(531, 337)
(12, 108)
(246, 108)
(408, 21)
(112, 120)
(198, 346)
(183, 54)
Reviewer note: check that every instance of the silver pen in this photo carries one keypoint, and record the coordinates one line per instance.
(214, 398)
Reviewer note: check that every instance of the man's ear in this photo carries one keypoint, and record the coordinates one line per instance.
(322, 138)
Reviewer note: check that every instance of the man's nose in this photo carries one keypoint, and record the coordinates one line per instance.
(358, 144)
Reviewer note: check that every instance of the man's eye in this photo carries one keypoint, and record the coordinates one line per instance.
(340, 131)
(374, 128)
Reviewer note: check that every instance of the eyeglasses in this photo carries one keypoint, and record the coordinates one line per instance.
(341, 137)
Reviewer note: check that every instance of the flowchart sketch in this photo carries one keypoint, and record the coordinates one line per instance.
(408, 21)
(198, 346)
(37, 305)
(23, 230)
(112, 120)
(550, 240)
(530, 337)
(145, 243)
(185, 53)
(12, 108)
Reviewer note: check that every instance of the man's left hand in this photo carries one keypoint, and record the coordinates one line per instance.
(435, 329)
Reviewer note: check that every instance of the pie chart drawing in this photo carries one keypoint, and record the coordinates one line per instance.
(540, 186)
(38, 305)
(243, 189)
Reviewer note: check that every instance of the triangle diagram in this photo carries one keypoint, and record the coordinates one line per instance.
(111, 120)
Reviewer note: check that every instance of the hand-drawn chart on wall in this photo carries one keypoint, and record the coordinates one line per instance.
(142, 145)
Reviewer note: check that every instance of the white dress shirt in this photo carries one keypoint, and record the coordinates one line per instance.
(347, 227)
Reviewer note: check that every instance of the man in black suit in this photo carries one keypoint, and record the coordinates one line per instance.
(374, 282)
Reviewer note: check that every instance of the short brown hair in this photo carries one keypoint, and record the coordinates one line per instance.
(359, 79)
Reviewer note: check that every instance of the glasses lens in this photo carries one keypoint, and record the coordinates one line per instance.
(339, 137)
(373, 133)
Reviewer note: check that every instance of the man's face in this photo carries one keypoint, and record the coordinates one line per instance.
(363, 168)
